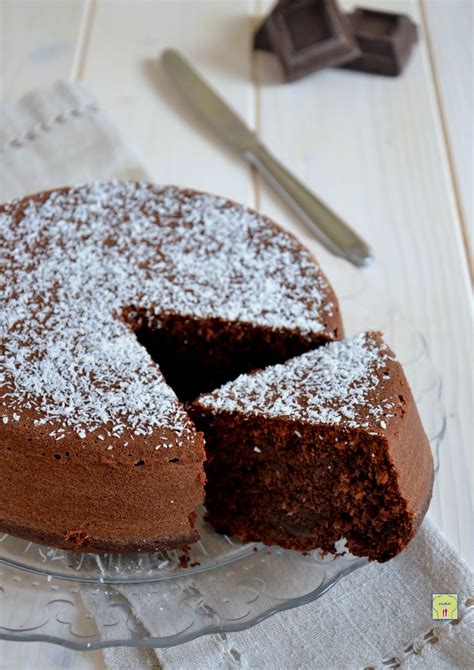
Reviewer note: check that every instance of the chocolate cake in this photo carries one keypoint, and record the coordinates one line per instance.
(328, 445)
(120, 300)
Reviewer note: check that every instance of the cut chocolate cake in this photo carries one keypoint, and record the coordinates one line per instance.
(96, 450)
(327, 446)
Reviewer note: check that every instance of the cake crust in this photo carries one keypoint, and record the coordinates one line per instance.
(88, 495)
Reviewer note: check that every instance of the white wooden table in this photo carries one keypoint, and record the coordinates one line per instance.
(394, 156)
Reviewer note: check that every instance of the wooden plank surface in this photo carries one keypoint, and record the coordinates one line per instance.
(38, 43)
(450, 31)
(124, 72)
(389, 154)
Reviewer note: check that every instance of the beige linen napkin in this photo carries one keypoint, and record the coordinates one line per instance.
(378, 617)
(57, 137)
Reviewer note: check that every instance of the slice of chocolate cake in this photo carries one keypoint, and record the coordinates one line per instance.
(328, 445)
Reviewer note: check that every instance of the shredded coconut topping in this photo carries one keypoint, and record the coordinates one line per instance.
(337, 384)
(74, 262)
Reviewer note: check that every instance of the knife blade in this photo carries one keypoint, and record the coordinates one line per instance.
(325, 224)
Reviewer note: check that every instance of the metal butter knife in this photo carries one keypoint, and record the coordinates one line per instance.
(325, 224)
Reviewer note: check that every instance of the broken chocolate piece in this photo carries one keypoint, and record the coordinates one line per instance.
(385, 41)
(260, 39)
(307, 35)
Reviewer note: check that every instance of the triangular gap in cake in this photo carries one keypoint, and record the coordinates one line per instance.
(198, 355)
(326, 446)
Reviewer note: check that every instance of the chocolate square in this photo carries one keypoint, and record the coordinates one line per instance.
(260, 39)
(307, 35)
(385, 41)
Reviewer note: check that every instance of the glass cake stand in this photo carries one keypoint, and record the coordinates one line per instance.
(86, 601)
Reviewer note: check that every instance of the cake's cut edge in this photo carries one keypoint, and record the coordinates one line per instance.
(326, 457)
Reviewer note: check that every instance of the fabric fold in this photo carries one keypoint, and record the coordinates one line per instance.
(57, 137)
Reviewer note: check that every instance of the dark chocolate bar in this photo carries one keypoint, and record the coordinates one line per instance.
(307, 35)
(384, 39)
(260, 39)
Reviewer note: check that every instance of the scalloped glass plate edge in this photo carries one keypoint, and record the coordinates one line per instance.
(188, 636)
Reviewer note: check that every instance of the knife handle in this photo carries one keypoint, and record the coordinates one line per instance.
(325, 224)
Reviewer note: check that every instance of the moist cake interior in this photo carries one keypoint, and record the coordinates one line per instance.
(198, 355)
(303, 486)
(325, 446)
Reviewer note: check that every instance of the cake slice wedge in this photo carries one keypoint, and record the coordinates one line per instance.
(328, 445)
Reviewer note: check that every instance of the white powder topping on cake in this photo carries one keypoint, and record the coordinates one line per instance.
(72, 264)
(339, 384)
